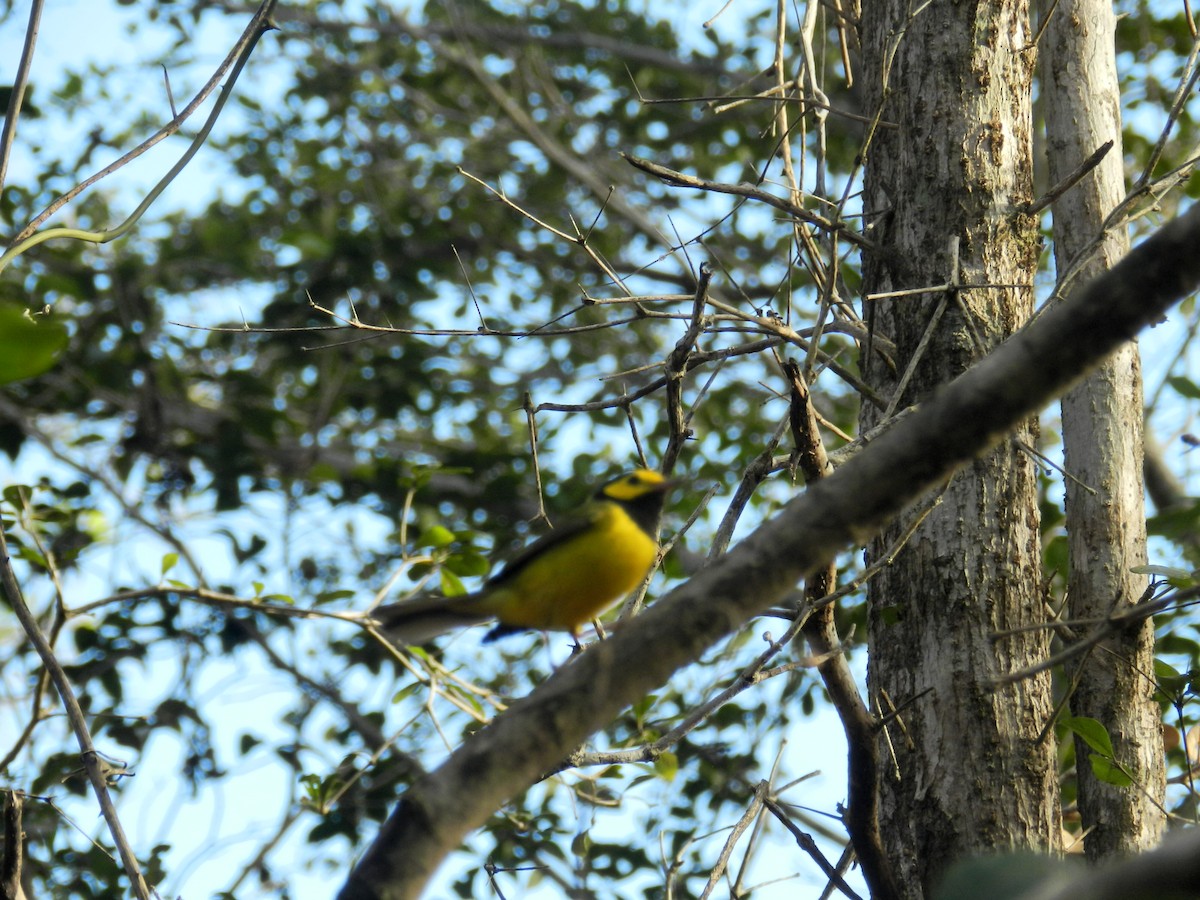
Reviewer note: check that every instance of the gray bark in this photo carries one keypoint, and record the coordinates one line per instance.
(944, 189)
(1102, 441)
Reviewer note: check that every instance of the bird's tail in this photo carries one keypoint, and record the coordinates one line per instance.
(425, 616)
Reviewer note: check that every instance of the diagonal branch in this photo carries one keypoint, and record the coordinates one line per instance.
(962, 420)
(92, 762)
(233, 65)
(17, 92)
(750, 192)
(862, 766)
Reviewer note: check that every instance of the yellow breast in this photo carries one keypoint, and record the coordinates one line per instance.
(577, 579)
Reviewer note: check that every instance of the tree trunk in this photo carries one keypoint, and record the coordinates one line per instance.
(946, 175)
(1102, 440)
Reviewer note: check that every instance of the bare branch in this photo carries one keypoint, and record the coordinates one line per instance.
(14, 846)
(92, 761)
(966, 417)
(863, 764)
(29, 237)
(1069, 180)
(749, 191)
(20, 82)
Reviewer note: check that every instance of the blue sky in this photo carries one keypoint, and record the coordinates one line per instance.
(217, 830)
(232, 818)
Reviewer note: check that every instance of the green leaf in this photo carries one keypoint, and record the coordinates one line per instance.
(1176, 523)
(452, 585)
(248, 743)
(1185, 387)
(437, 536)
(468, 564)
(1176, 644)
(28, 345)
(407, 691)
(314, 789)
(1164, 670)
(31, 555)
(168, 562)
(1107, 770)
(643, 706)
(1093, 733)
(581, 843)
(666, 766)
(329, 596)
(16, 495)
(86, 637)
(1171, 682)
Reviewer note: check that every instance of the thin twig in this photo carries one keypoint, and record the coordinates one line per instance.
(97, 476)
(92, 761)
(217, 598)
(240, 54)
(679, 179)
(677, 366)
(809, 846)
(750, 815)
(290, 817)
(1117, 621)
(756, 472)
(20, 81)
(1068, 181)
(754, 673)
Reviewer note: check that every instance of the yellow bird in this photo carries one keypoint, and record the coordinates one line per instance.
(562, 580)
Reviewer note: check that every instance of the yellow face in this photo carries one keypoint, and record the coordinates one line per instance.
(634, 484)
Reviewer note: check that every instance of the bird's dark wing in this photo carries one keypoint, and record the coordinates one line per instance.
(578, 523)
(421, 618)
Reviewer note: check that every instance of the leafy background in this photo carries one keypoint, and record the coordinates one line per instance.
(310, 376)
